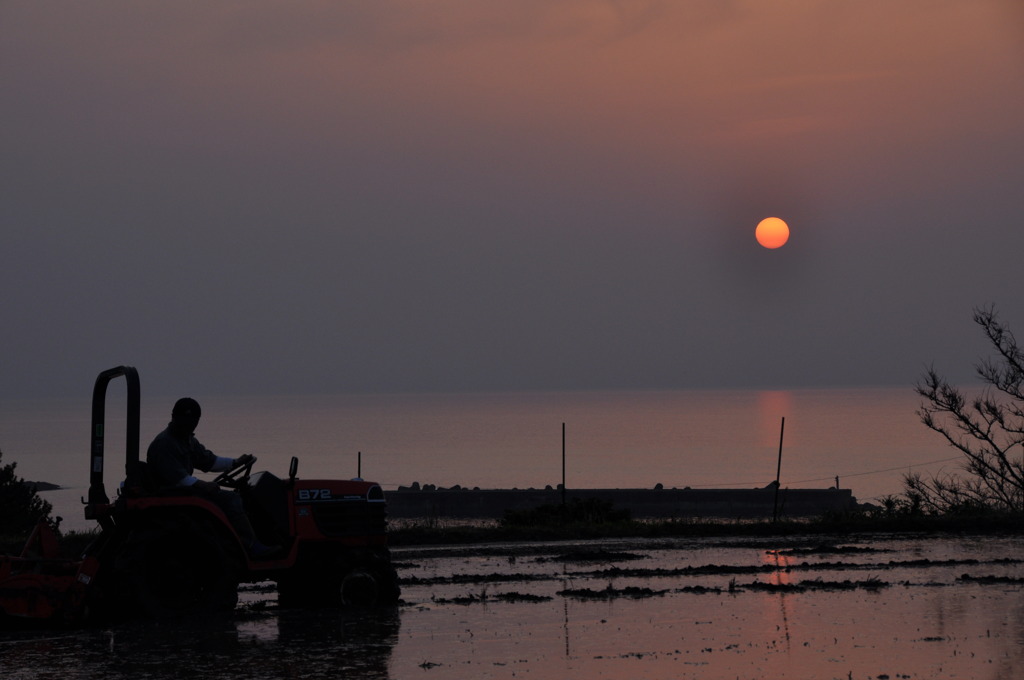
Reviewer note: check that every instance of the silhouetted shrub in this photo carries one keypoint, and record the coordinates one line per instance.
(21, 508)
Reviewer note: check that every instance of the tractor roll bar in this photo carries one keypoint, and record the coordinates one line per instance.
(97, 494)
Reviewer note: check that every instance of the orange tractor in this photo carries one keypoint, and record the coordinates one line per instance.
(173, 553)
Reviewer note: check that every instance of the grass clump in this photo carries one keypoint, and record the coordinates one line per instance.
(578, 511)
(553, 524)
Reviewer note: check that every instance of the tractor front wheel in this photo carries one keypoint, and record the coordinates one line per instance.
(361, 578)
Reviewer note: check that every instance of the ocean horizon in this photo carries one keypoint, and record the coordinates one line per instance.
(863, 439)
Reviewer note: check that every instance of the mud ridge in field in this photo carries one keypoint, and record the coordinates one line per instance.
(703, 570)
(636, 592)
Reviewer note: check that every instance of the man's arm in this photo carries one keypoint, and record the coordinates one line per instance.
(206, 460)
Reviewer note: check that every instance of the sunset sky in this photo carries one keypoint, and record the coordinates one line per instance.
(458, 195)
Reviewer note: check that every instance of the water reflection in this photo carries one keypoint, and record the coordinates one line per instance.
(780, 577)
(772, 407)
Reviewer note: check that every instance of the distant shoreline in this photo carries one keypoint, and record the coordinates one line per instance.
(42, 486)
(658, 503)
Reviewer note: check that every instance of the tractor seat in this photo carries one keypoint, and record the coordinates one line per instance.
(139, 481)
(142, 482)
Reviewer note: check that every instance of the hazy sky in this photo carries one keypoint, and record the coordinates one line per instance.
(449, 195)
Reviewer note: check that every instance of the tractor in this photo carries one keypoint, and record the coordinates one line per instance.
(160, 554)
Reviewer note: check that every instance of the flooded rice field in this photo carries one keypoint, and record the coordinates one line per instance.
(816, 607)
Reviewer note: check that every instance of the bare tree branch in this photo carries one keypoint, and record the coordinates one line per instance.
(988, 429)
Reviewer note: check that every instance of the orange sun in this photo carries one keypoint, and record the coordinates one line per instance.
(772, 232)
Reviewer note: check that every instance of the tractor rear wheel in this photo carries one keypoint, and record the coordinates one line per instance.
(177, 567)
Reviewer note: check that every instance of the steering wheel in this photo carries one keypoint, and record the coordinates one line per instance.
(238, 475)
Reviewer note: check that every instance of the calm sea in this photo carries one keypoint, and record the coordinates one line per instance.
(868, 438)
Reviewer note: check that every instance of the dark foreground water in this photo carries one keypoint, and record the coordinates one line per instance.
(824, 607)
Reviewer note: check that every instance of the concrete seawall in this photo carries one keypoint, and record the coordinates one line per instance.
(641, 503)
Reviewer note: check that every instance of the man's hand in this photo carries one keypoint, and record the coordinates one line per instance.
(247, 459)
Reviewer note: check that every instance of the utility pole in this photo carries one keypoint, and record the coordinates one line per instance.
(563, 464)
(778, 473)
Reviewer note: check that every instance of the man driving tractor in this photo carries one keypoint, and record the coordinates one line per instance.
(173, 457)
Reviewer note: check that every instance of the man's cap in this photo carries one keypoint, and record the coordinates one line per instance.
(186, 407)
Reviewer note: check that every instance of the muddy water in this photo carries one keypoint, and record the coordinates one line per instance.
(825, 607)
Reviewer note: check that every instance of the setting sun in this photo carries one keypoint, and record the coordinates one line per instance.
(772, 232)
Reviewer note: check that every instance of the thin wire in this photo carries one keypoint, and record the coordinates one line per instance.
(876, 472)
(841, 476)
